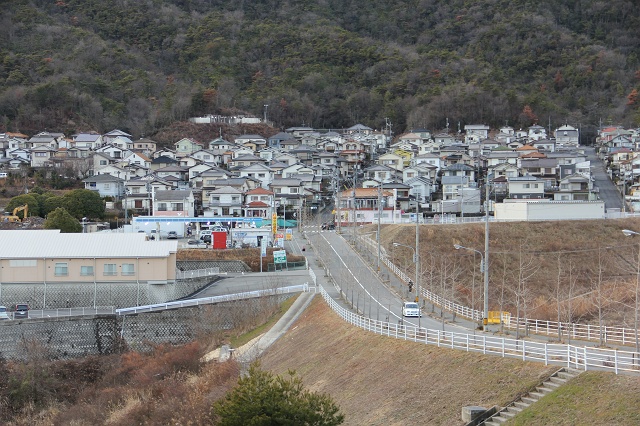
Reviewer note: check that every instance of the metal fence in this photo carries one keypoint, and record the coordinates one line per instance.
(578, 357)
(214, 299)
(593, 332)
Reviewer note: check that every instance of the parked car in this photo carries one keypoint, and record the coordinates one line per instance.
(172, 235)
(3, 313)
(21, 311)
(411, 309)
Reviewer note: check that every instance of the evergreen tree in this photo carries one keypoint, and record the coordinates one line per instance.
(261, 398)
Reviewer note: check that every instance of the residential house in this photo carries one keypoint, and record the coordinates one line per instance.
(105, 185)
(576, 187)
(475, 132)
(259, 202)
(328, 159)
(358, 129)
(431, 159)
(197, 170)
(107, 138)
(460, 169)
(174, 203)
(451, 186)
(138, 159)
(221, 144)
(304, 154)
(206, 180)
(544, 145)
(391, 160)
(112, 151)
(536, 133)
(420, 170)
(420, 189)
(164, 153)
(258, 171)
(242, 161)
(186, 146)
(253, 142)
(138, 196)
(163, 161)
(526, 187)
(444, 139)
(278, 138)
(122, 142)
(145, 145)
(224, 201)
(382, 173)
(288, 192)
(41, 154)
(567, 136)
(504, 169)
(177, 172)
(288, 158)
(543, 168)
(501, 155)
(87, 140)
(44, 139)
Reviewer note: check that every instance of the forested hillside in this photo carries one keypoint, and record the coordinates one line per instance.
(72, 65)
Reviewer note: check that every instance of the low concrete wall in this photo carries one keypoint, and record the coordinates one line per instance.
(64, 338)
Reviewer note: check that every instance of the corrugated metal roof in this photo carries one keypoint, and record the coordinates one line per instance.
(37, 244)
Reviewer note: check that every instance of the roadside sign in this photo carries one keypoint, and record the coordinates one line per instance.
(289, 234)
(274, 223)
(279, 256)
(263, 248)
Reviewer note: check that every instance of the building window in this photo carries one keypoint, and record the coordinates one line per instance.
(162, 207)
(128, 269)
(293, 190)
(86, 270)
(526, 186)
(564, 186)
(62, 270)
(135, 190)
(110, 269)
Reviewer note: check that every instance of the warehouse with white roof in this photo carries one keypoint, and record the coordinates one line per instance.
(48, 256)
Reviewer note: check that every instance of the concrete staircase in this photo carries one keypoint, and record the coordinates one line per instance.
(559, 378)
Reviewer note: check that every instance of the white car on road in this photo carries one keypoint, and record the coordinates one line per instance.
(411, 309)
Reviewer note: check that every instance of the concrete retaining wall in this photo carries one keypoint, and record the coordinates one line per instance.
(224, 265)
(120, 295)
(63, 338)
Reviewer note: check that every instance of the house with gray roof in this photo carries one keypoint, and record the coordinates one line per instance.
(105, 185)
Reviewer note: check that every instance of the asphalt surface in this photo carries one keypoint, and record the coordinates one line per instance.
(608, 192)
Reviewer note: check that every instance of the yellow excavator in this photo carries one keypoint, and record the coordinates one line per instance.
(14, 216)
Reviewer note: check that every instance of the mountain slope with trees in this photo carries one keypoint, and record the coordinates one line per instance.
(139, 66)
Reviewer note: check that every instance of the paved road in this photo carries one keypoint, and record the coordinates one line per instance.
(608, 191)
(239, 283)
(361, 287)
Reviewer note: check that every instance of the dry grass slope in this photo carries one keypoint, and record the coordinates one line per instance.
(379, 380)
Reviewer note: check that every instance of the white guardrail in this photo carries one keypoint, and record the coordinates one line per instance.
(594, 332)
(578, 357)
(213, 299)
(69, 312)
(196, 273)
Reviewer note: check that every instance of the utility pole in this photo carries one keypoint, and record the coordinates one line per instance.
(379, 214)
(417, 259)
(486, 256)
(355, 179)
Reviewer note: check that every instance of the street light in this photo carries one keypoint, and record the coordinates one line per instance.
(417, 277)
(483, 268)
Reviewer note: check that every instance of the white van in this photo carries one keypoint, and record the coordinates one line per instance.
(3, 175)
